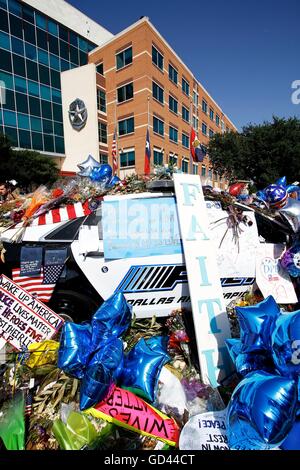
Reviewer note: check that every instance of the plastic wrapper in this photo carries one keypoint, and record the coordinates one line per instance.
(39, 197)
(12, 424)
(42, 353)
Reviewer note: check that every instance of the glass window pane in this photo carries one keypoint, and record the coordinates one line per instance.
(47, 126)
(53, 44)
(41, 21)
(4, 41)
(29, 32)
(5, 60)
(44, 75)
(46, 109)
(4, 21)
(52, 27)
(57, 112)
(83, 44)
(45, 92)
(59, 145)
(7, 78)
(20, 85)
(37, 141)
(9, 100)
(58, 128)
(42, 40)
(55, 79)
(83, 58)
(22, 103)
(3, 4)
(24, 139)
(33, 88)
(64, 65)
(9, 118)
(23, 121)
(74, 55)
(73, 39)
(19, 65)
(27, 14)
(43, 57)
(36, 124)
(54, 62)
(15, 7)
(48, 143)
(120, 61)
(35, 106)
(63, 33)
(30, 51)
(128, 56)
(64, 50)
(56, 96)
(17, 46)
(32, 71)
(11, 133)
(16, 28)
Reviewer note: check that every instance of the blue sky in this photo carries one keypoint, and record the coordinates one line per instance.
(246, 53)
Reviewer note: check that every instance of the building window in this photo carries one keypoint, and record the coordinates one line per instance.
(203, 170)
(158, 126)
(223, 126)
(125, 93)
(185, 140)
(211, 114)
(101, 100)
(204, 106)
(124, 58)
(184, 166)
(102, 132)
(103, 158)
(173, 134)
(99, 69)
(195, 169)
(227, 129)
(126, 126)
(195, 123)
(195, 98)
(204, 128)
(127, 158)
(185, 114)
(217, 120)
(211, 133)
(185, 87)
(173, 104)
(173, 159)
(158, 92)
(173, 74)
(157, 58)
(204, 149)
(210, 174)
(158, 157)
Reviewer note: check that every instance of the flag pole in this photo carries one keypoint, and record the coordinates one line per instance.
(116, 134)
(191, 124)
(148, 120)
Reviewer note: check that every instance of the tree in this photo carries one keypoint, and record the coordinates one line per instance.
(27, 167)
(261, 153)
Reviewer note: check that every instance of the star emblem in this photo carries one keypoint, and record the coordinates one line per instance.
(77, 114)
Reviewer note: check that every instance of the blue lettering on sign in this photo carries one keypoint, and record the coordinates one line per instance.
(188, 196)
(212, 369)
(211, 313)
(195, 228)
(203, 271)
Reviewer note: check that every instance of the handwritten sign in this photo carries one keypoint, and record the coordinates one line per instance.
(23, 319)
(125, 409)
(271, 277)
(209, 312)
(206, 431)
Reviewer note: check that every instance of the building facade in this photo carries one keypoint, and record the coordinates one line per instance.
(142, 82)
(39, 40)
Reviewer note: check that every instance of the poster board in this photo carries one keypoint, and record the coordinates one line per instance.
(209, 312)
(23, 318)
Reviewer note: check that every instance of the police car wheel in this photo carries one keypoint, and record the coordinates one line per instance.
(72, 306)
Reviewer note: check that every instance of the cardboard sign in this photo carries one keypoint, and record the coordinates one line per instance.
(270, 277)
(209, 312)
(23, 319)
(127, 410)
(206, 431)
(140, 227)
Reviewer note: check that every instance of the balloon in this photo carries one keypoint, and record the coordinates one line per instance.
(102, 173)
(276, 196)
(141, 370)
(74, 348)
(236, 189)
(111, 319)
(290, 260)
(261, 411)
(115, 180)
(110, 354)
(291, 188)
(291, 213)
(248, 362)
(292, 442)
(281, 181)
(286, 345)
(261, 195)
(87, 166)
(95, 386)
(257, 323)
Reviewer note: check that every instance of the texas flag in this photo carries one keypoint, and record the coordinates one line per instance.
(196, 148)
(147, 154)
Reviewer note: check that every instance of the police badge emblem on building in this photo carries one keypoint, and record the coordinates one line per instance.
(78, 114)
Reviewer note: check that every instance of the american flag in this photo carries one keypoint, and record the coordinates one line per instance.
(147, 154)
(114, 154)
(41, 286)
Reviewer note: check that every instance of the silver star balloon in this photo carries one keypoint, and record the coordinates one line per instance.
(291, 213)
(87, 166)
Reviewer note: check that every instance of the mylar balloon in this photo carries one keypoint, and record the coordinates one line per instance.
(110, 354)
(234, 347)
(286, 344)
(248, 362)
(87, 166)
(292, 442)
(290, 260)
(102, 173)
(276, 196)
(142, 367)
(115, 180)
(261, 411)
(257, 324)
(111, 319)
(95, 386)
(236, 189)
(74, 348)
(281, 181)
(291, 213)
